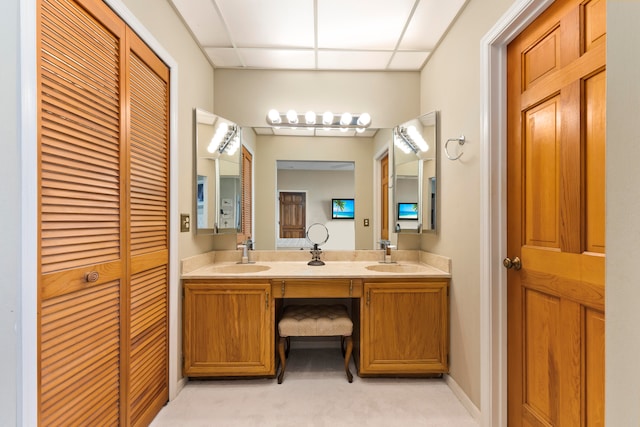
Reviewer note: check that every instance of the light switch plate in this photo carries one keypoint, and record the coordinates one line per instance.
(185, 223)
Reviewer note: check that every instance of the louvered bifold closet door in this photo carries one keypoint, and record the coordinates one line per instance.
(148, 137)
(247, 197)
(81, 232)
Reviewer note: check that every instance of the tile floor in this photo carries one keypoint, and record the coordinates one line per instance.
(315, 393)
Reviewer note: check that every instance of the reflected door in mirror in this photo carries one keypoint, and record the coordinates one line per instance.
(292, 215)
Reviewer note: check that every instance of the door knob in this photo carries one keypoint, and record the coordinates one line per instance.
(516, 264)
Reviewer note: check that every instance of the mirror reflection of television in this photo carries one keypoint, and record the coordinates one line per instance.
(407, 211)
(342, 209)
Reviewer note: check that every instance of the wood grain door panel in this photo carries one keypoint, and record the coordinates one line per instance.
(292, 215)
(555, 209)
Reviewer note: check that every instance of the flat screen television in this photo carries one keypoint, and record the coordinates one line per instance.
(342, 209)
(407, 211)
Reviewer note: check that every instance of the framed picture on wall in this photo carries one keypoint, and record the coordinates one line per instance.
(407, 211)
(342, 208)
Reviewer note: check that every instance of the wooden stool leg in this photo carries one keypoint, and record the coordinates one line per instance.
(347, 357)
(283, 358)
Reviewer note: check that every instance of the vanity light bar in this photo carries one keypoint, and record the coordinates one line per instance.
(310, 119)
(410, 140)
(225, 139)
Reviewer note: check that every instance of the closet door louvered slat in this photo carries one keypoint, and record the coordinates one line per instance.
(81, 213)
(149, 227)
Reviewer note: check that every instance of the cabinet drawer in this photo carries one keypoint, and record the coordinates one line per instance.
(316, 288)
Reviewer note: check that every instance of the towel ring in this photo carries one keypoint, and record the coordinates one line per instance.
(461, 141)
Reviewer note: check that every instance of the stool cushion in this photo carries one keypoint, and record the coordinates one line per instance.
(315, 320)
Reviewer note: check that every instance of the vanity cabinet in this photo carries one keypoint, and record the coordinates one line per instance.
(228, 328)
(404, 327)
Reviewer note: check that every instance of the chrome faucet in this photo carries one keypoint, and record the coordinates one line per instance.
(386, 247)
(246, 246)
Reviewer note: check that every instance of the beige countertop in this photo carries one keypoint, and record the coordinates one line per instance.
(338, 264)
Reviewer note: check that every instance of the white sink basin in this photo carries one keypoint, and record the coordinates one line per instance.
(396, 268)
(241, 268)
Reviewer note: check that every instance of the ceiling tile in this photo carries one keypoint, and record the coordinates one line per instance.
(335, 132)
(374, 24)
(278, 23)
(224, 57)
(293, 131)
(263, 131)
(339, 60)
(430, 20)
(408, 60)
(278, 58)
(204, 21)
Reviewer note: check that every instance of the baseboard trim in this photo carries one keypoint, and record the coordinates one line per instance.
(463, 398)
(180, 384)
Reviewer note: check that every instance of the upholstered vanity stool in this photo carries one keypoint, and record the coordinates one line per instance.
(315, 320)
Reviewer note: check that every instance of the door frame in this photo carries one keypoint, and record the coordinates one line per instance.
(493, 207)
(27, 375)
(377, 193)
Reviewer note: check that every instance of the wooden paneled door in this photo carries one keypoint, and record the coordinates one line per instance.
(292, 215)
(556, 217)
(103, 209)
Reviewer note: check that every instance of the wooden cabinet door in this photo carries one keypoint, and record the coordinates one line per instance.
(228, 329)
(404, 328)
(556, 201)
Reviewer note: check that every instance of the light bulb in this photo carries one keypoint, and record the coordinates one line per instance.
(345, 119)
(364, 119)
(292, 117)
(310, 118)
(327, 118)
(274, 116)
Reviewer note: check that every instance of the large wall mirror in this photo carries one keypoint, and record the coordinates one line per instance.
(415, 175)
(217, 174)
(315, 192)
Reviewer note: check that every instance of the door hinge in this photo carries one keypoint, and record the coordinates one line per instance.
(266, 300)
(368, 296)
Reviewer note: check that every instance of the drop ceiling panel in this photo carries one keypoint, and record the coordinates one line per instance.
(353, 60)
(293, 132)
(374, 24)
(342, 34)
(278, 58)
(204, 21)
(430, 20)
(281, 23)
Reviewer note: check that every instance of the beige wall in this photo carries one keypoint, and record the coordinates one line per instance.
(10, 248)
(450, 83)
(269, 149)
(623, 204)
(245, 96)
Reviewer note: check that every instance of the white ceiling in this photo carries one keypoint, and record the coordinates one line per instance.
(318, 34)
